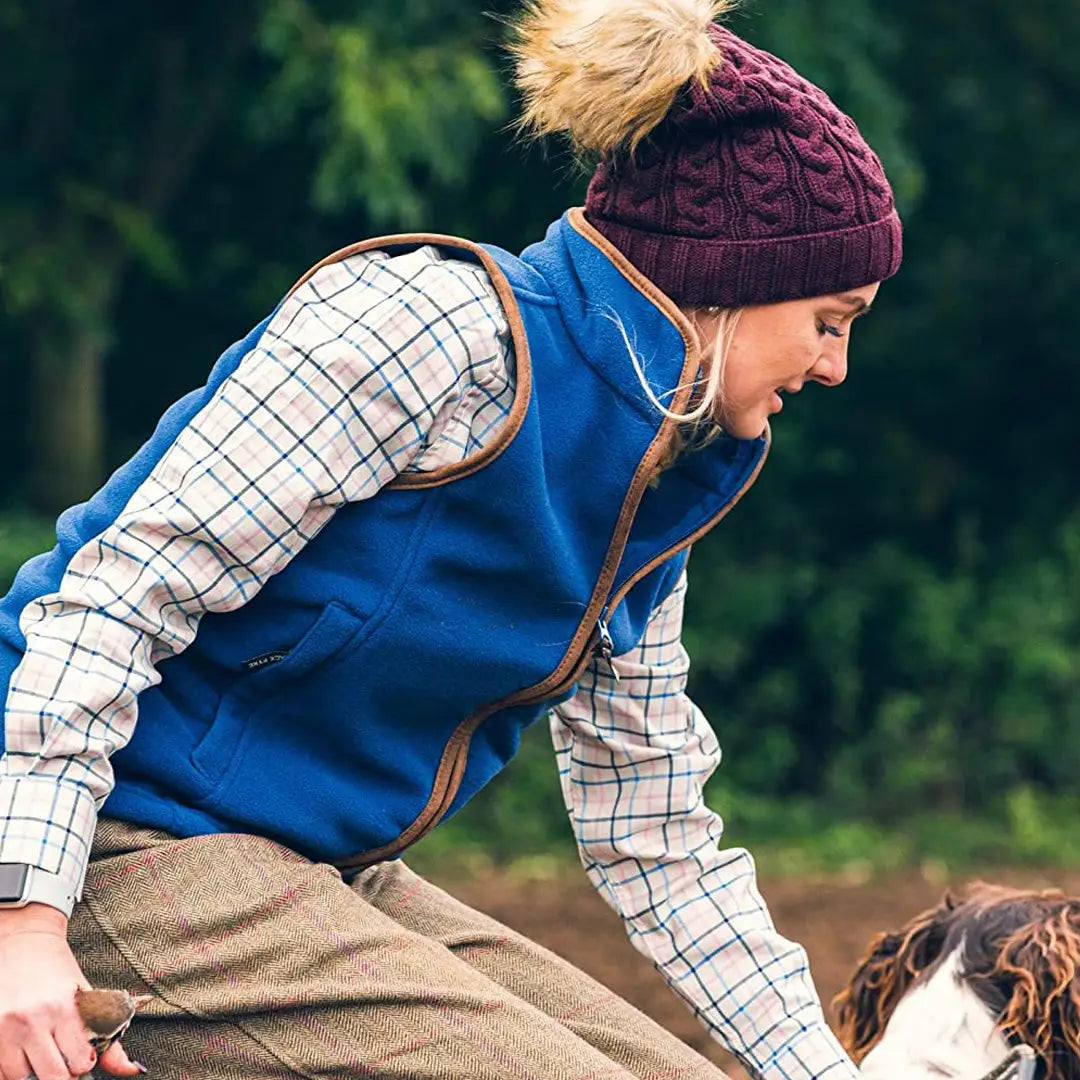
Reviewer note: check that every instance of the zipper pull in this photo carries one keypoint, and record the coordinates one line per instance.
(605, 647)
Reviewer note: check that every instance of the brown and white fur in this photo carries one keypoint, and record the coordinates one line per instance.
(950, 993)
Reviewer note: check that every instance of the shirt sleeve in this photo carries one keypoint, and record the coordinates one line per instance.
(357, 377)
(634, 756)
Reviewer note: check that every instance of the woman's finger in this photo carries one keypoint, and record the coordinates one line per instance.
(13, 1064)
(116, 1062)
(46, 1061)
(71, 1039)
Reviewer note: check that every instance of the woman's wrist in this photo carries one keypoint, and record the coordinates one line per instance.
(34, 918)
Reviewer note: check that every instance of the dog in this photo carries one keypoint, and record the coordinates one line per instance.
(963, 984)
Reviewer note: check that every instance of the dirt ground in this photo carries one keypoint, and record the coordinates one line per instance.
(833, 919)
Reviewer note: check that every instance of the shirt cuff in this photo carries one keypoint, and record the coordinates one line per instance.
(48, 824)
(814, 1054)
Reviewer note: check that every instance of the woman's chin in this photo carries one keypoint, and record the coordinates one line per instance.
(746, 425)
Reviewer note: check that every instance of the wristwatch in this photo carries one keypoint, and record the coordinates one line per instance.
(22, 884)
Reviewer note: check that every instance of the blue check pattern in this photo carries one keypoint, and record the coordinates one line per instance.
(377, 366)
(634, 754)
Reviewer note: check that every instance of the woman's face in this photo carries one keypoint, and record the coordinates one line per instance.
(777, 349)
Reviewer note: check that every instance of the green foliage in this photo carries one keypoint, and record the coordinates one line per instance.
(123, 114)
(21, 537)
(401, 102)
(886, 685)
(848, 47)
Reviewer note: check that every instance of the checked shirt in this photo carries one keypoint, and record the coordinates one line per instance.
(376, 366)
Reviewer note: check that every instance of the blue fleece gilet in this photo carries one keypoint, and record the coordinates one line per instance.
(386, 674)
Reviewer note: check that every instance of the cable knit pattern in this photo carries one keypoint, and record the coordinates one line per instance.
(755, 188)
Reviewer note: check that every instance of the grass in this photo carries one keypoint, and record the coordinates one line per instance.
(805, 840)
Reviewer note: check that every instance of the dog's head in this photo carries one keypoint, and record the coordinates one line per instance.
(949, 993)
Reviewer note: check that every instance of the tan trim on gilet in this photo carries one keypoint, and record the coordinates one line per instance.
(523, 365)
(455, 755)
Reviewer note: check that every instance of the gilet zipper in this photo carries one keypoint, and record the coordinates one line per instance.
(604, 648)
(599, 645)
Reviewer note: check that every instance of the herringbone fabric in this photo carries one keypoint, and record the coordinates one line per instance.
(264, 965)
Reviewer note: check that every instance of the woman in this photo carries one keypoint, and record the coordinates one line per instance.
(439, 493)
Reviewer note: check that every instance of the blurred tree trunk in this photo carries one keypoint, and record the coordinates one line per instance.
(66, 419)
(72, 240)
(65, 414)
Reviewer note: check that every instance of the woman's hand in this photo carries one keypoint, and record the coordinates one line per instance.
(41, 1032)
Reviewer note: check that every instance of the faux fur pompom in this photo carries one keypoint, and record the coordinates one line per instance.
(607, 71)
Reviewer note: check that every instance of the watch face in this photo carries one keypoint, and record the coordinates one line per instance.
(12, 882)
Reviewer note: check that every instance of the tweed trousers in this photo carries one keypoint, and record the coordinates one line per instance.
(265, 965)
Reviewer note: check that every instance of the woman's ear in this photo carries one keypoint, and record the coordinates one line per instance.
(894, 961)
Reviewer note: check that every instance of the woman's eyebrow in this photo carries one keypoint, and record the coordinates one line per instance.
(857, 302)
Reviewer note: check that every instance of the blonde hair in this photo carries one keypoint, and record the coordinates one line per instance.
(700, 424)
(705, 403)
(606, 72)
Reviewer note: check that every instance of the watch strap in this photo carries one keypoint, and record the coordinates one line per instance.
(43, 887)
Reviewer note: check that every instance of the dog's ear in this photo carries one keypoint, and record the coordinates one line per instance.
(893, 962)
(1038, 973)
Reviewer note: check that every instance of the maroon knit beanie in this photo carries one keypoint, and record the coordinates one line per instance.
(754, 188)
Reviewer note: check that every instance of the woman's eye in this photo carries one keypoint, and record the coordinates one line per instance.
(828, 328)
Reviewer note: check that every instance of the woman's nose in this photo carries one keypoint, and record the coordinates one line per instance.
(831, 368)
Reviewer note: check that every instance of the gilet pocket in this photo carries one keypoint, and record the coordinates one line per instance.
(266, 678)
